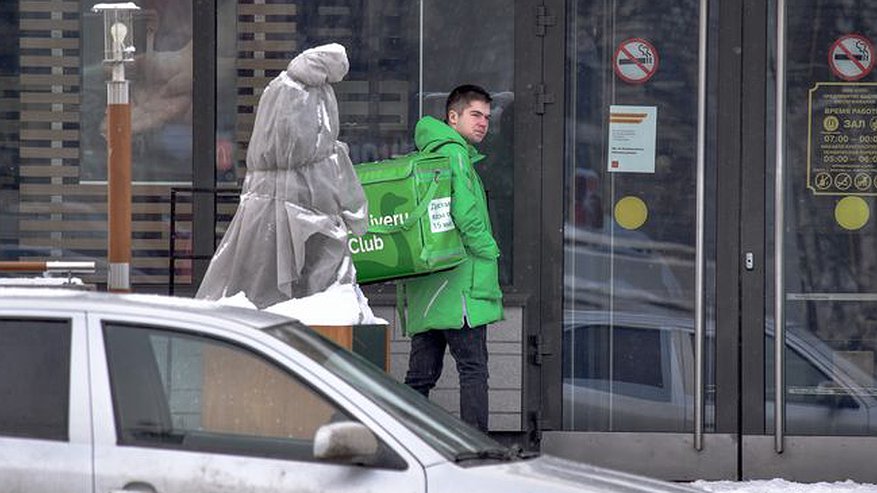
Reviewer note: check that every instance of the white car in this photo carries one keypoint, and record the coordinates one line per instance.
(107, 393)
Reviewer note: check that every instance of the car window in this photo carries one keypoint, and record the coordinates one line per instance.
(188, 392)
(446, 434)
(34, 378)
(639, 365)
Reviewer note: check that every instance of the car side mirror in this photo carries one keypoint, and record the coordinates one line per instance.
(346, 441)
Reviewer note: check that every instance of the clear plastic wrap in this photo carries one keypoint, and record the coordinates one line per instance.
(300, 196)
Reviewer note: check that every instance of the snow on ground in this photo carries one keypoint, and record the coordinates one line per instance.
(783, 486)
(39, 281)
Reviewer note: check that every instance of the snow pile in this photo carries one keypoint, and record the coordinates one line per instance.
(783, 486)
(40, 281)
(341, 304)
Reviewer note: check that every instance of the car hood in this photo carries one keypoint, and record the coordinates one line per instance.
(546, 474)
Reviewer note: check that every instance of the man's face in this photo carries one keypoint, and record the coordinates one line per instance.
(472, 122)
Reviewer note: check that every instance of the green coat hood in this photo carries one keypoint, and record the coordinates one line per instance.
(431, 132)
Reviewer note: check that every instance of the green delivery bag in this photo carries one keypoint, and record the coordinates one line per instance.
(410, 229)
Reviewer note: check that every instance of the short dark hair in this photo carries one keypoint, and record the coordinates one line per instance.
(462, 96)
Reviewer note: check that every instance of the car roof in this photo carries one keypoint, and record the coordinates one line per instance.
(85, 300)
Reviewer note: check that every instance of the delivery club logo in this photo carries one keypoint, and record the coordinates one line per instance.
(371, 242)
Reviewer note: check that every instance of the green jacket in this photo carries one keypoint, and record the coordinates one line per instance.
(470, 291)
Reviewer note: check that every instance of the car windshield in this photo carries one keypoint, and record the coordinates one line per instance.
(448, 435)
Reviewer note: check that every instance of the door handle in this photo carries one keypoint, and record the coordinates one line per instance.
(700, 206)
(779, 338)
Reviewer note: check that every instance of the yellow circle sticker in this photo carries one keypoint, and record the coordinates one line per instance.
(631, 212)
(852, 213)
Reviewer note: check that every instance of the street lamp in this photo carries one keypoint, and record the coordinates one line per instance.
(118, 49)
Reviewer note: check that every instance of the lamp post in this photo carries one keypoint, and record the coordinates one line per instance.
(118, 49)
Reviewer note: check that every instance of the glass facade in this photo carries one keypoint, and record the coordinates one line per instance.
(54, 88)
(54, 147)
(615, 128)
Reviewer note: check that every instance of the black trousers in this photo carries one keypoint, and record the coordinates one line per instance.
(469, 349)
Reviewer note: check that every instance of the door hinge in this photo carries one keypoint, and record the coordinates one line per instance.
(542, 98)
(538, 350)
(543, 20)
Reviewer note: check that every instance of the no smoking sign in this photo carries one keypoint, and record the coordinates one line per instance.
(851, 57)
(635, 61)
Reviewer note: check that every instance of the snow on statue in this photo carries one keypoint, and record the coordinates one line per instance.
(300, 198)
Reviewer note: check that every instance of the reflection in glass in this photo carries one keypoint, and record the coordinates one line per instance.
(628, 360)
(391, 82)
(830, 270)
(52, 135)
(160, 92)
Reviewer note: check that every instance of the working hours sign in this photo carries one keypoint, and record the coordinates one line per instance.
(842, 139)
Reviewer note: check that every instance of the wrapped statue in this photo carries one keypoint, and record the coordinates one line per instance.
(300, 197)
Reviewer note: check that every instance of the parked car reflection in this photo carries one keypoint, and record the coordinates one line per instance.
(645, 382)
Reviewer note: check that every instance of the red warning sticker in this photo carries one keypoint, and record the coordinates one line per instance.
(635, 60)
(851, 57)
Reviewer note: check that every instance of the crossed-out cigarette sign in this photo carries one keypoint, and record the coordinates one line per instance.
(851, 57)
(635, 61)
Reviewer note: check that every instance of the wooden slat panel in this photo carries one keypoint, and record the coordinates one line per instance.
(9, 105)
(80, 244)
(181, 280)
(138, 190)
(47, 61)
(248, 100)
(152, 263)
(100, 208)
(262, 64)
(47, 6)
(48, 171)
(266, 9)
(43, 198)
(333, 10)
(50, 153)
(50, 97)
(49, 43)
(50, 116)
(255, 82)
(49, 80)
(334, 32)
(357, 108)
(266, 27)
(67, 225)
(48, 24)
(266, 45)
(41, 134)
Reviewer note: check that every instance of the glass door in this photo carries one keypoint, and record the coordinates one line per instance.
(633, 226)
(820, 335)
(639, 359)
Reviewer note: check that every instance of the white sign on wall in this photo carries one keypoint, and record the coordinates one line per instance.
(632, 135)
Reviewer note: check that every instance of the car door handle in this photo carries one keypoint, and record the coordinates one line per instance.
(136, 486)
